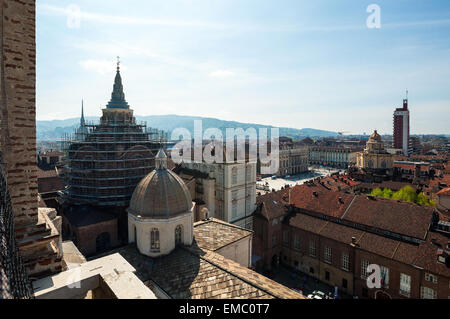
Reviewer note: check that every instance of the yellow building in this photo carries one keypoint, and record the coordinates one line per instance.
(374, 155)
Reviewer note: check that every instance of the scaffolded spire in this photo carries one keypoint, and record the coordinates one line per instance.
(118, 97)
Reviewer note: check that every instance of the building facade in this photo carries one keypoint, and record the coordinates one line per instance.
(334, 237)
(227, 190)
(340, 157)
(293, 159)
(401, 128)
(374, 156)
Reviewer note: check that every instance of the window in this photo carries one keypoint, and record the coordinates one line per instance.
(384, 276)
(327, 275)
(297, 242)
(154, 240)
(234, 174)
(274, 240)
(234, 210)
(286, 237)
(249, 173)
(431, 278)
(328, 254)
(344, 283)
(178, 234)
(427, 293)
(345, 261)
(364, 264)
(311, 270)
(312, 248)
(405, 284)
(234, 195)
(295, 263)
(274, 222)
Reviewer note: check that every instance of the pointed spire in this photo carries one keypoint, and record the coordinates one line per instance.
(82, 121)
(161, 159)
(117, 96)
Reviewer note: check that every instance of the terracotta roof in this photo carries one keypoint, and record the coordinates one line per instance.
(401, 217)
(317, 199)
(195, 274)
(49, 181)
(444, 192)
(423, 255)
(46, 173)
(214, 234)
(273, 205)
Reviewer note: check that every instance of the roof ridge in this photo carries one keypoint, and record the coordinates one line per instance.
(239, 276)
(348, 207)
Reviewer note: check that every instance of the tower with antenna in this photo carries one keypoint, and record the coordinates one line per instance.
(401, 133)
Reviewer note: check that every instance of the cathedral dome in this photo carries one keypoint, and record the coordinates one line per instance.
(162, 194)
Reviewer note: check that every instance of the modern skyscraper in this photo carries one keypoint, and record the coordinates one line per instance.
(401, 127)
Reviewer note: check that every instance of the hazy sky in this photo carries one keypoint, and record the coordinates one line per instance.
(285, 63)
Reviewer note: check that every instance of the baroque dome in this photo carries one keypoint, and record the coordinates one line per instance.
(162, 194)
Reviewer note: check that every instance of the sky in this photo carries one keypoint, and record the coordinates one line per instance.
(315, 64)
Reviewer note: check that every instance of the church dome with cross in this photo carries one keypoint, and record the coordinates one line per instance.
(160, 215)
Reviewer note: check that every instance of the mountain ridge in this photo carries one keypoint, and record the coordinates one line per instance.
(55, 129)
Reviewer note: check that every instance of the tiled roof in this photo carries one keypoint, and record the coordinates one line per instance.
(317, 199)
(423, 255)
(444, 192)
(195, 274)
(214, 234)
(401, 217)
(46, 173)
(273, 205)
(49, 181)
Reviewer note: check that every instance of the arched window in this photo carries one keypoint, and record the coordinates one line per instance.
(154, 240)
(383, 164)
(178, 235)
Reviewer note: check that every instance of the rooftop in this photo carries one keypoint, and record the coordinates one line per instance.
(193, 273)
(214, 234)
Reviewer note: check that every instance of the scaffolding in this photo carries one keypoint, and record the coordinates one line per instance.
(104, 161)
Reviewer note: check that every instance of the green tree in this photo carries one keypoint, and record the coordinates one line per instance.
(377, 192)
(407, 193)
(387, 193)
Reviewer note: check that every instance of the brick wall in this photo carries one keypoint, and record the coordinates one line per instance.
(17, 108)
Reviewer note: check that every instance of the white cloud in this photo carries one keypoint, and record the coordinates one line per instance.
(100, 66)
(222, 74)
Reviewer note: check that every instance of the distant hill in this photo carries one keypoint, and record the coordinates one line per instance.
(54, 130)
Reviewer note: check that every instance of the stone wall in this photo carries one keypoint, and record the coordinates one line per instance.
(37, 237)
(17, 108)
